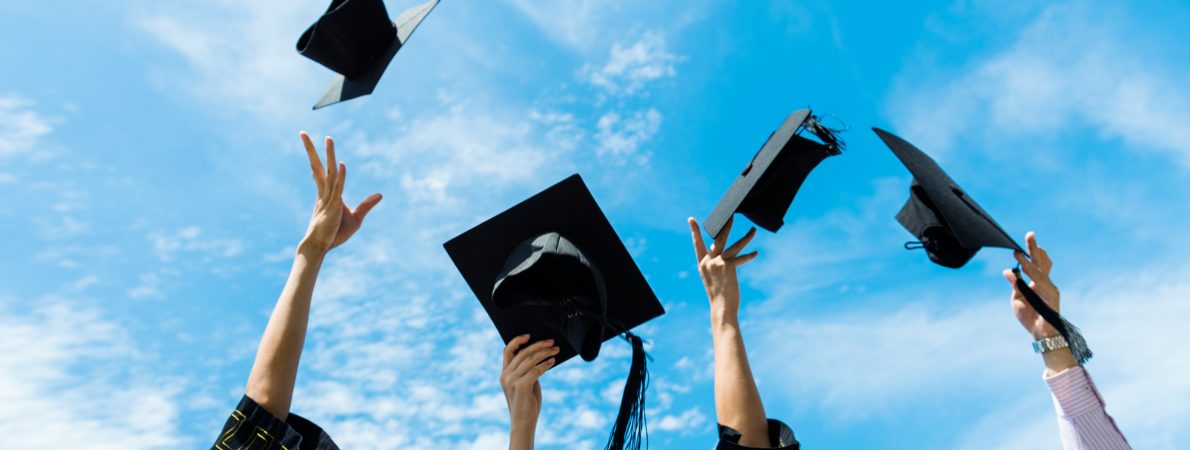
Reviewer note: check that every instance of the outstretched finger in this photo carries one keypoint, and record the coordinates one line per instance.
(340, 181)
(1016, 292)
(1042, 258)
(512, 347)
(332, 164)
(700, 249)
(365, 206)
(737, 262)
(315, 162)
(1028, 266)
(1011, 277)
(1031, 242)
(739, 245)
(1017, 299)
(1037, 253)
(721, 239)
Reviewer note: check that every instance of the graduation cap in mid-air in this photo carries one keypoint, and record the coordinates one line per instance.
(765, 188)
(553, 267)
(951, 227)
(355, 39)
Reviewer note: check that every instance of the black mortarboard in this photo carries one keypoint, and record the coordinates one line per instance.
(765, 189)
(552, 266)
(355, 39)
(952, 227)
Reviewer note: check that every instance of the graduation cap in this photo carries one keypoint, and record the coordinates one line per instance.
(765, 189)
(553, 267)
(355, 39)
(952, 227)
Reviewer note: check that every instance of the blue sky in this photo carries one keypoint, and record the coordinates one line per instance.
(154, 188)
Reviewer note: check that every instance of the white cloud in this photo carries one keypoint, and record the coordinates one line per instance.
(149, 287)
(832, 251)
(46, 403)
(191, 240)
(620, 138)
(630, 68)
(578, 24)
(61, 201)
(60, 226)
(442, 160)
(1075, 65)
(240, 56)
(854, 365)
(21, 127)
(688, 422)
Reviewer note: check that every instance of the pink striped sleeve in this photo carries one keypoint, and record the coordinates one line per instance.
(1082, 419)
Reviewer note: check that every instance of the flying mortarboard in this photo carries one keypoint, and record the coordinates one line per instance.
(355, 39)
(952, 227)
(766, 187)
(552, 266)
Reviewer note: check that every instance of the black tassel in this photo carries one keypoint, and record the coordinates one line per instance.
(829, 136)
(1074, 337)
(630, 423)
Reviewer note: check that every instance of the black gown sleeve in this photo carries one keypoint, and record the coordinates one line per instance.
(251, 427)
(780, 437)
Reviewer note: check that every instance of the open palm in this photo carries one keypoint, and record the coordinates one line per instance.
(332, 222)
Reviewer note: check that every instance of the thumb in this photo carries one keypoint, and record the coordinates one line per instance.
(366, 206)
(1011, 277)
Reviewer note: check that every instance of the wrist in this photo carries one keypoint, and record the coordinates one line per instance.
(311, 249)
(1058, 360)
(724, 316)
(1044, 332)
(724, 325)
(1055, 352)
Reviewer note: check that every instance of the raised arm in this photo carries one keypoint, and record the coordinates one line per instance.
(274, 372)
(1082, 418)
(522, 390)
(737, 401)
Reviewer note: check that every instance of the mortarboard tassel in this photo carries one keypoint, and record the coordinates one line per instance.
(1071, 333)
(828, 135)
(630, 423)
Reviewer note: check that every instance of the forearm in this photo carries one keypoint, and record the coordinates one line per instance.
(737, 401)
(274, 372)
(520, 436)
(1057, 361)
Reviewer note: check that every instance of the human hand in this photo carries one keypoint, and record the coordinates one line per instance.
(1038, 270)
(332, 223)
(717, 267)
(1037, 266)
(522, 390)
